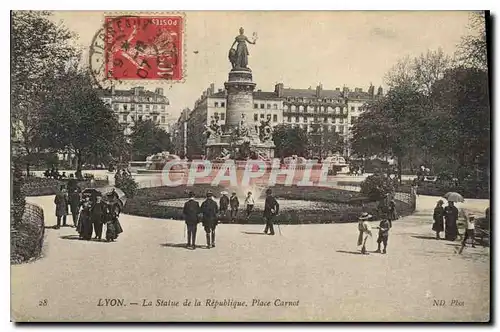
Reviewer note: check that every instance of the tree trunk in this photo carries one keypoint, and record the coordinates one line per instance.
(400, 168)
(79, 162)
(27, 169)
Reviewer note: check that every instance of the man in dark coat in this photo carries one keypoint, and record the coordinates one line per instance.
(234, 202)
(209, 210)
(61, 202)
(74, 203)
(271, 208)
(190, 211)
(223, 205)
(97, 215)
(72, 183)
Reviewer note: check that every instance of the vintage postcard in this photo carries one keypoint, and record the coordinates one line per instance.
(250, 166)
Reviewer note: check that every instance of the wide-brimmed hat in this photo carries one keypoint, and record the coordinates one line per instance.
(365, 216)
(210, 194)
(224, 193)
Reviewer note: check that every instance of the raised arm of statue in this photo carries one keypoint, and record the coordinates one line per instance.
(250, 42)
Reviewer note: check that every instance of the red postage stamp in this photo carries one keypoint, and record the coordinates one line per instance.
(144, 47)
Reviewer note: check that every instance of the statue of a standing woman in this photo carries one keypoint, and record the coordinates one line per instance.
(239, 58)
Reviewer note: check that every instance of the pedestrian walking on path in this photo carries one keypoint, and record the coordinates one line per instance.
(365, 231)
(97, 215)
(210, 210)
(191, 211)
(383, 234)
(249, 202)
(234, 202)
(451, 216)
(74, 203)
(438, 225)
(61, 201)
(271, 209)
(224, 205)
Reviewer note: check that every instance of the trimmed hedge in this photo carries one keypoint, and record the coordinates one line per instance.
(145, 204)
(36, 186)
(27, 237)
(436, 189)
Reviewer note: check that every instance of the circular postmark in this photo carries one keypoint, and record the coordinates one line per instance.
(136, 48)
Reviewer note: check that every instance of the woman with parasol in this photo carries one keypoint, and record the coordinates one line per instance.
(451, 215)
(113, 226)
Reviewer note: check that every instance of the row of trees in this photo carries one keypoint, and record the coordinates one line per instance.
(55, 106)
(436, 111)
(291, 140)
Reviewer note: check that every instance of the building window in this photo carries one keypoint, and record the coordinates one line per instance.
(222, 116)
(341, 120)
(296, 119)
(140, 117)
(222, 104)
(124, 118)
(125, 107)
(262, 115)
(147, 106)
(352, 108)
(255, 117)
(325, 119)
(301, 108)
(216, 104)
(275, 117)
(255, 105)
(162, 107)
(337, 110)
(353, 119)
(139, 107)
(162, 119)
(275, 106)
(262, 106)
(216, 115)
(116, 107)
(155, 118)
(341, 129)
(289, 119)
(268, 106)
(337, 129)
(285, 107)
(132, 107)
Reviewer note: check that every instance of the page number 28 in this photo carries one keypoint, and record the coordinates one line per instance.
(43, 303)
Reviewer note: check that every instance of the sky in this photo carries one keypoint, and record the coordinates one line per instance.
(297, 48)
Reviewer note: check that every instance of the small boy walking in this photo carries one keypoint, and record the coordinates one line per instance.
(469, 232)
(383, 234)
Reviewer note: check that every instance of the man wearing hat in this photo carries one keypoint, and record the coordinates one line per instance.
(271, 208)
(234, 202)
(190, 211)
(223, 204)
(209, 210)
(97, 215)
(364, 229)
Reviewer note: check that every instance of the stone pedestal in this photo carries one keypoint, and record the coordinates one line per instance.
(239, 101)
(239, 96)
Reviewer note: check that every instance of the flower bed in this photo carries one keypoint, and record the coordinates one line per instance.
(146, 204)
(36, 186)
(27, 237)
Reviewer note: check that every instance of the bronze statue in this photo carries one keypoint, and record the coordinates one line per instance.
(239, 57)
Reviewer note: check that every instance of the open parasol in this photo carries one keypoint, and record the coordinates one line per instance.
(453, 197)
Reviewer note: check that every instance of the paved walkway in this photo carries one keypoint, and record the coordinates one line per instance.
(318, 265)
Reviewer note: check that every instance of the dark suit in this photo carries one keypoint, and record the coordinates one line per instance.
(74, 204)
(97, 215)
(234, 203)
(270, 205)
(190, 211)
(209, 210)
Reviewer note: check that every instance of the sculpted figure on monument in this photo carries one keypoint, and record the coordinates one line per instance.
(266, 130)
(239, 56)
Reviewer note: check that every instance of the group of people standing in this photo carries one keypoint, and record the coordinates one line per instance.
(89, 213)
(209, 213)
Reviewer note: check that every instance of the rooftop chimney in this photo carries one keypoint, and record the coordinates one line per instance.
(212, 88)
(371, 90)
(319, 88)
(259, 90)
(278, 88)
(337, 89)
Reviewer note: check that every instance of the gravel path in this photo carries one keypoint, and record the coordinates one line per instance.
(317, 265)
